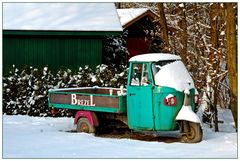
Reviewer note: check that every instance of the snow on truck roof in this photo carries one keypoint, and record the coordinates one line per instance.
(154, 57)
(61, 16)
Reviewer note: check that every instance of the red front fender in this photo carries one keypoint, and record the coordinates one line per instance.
(91, 116)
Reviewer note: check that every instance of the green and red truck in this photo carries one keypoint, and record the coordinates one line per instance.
(160, 96)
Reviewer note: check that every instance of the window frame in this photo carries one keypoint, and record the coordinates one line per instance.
(149, 73)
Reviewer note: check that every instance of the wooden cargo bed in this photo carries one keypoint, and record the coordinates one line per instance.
(89, 98)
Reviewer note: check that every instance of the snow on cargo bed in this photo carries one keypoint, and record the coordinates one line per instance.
(172, 74)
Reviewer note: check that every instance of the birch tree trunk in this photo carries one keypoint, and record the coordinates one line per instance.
(232, 57)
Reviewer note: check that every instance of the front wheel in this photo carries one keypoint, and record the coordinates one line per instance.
(194, 133)
(83, 125)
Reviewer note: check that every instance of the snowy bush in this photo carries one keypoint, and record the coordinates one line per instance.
(107, 76)
(25, 92)
(84, 77)
(103, 75)
(10, 92)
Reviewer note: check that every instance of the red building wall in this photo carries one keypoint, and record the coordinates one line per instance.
(137, 45)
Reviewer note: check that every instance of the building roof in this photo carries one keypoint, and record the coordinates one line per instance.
(154, 57)
(61, 17)
(131, 15)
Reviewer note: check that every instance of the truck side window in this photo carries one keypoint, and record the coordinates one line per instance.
(139, 75)
(136, 74)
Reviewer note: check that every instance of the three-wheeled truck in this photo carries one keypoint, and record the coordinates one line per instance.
(160, 96)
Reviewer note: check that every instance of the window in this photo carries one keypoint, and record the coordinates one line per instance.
(139, 75)
(158, 66)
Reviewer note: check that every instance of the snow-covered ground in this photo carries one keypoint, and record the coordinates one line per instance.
(39, 137)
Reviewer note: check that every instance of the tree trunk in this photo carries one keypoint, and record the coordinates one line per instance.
(232, 57)
(214, 14)
(184, 34)
(163, 24)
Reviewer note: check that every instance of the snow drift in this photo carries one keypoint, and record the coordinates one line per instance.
(46, 137)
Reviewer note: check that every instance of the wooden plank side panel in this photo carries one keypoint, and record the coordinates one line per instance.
(85, 100)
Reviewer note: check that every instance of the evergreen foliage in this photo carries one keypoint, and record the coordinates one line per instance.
(115, 50)
(25, 92)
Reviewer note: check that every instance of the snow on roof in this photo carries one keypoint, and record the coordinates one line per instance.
(174, 75)
(154, 57)
(61, 16)
(127, 15)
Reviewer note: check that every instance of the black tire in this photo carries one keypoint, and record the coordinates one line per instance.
(195, 134)
(83, 125)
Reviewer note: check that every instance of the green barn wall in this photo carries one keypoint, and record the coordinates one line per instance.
(56, 51)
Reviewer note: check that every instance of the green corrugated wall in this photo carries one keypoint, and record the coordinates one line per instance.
(54, 51)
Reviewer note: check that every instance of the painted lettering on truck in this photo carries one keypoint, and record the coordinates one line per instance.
(82, 102)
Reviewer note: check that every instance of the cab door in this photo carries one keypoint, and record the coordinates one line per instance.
(139, 97)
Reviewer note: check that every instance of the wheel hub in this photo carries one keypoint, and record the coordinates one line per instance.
(191, 134)
(84, 127)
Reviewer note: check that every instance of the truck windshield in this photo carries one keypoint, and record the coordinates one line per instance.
(172, 73)
(158, 65)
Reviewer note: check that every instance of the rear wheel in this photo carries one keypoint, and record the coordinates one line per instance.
(83, 125)
(194, 134)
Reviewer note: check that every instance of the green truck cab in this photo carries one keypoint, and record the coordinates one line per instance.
(160, 96)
